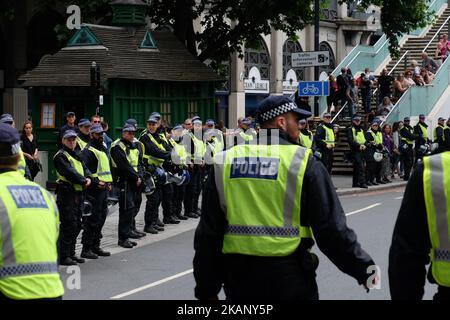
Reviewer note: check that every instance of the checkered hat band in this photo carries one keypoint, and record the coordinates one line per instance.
(277, 111)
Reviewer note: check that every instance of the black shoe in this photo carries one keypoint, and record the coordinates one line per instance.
(101, 253)
(181, 217)
(142, 234)
(134, 244)
(171, 221)
(135, 235)
(157, 228)
(198, 212)
(375, 183)
(192, 215)
(77, 259)
(68, 262)
(381, 182)
(150, 229)
(125, 244)
(368, 183)
(159, 223)
(387, 181)
(89, 255)
(363, 186)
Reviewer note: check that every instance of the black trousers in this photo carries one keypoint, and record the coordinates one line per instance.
(269, 279)
(94, 223)
(407, 159)
(69, 205)
(327, 159)
(178, 197)
(127, 210)
(193, 190)
(359, 176)
(373, 171)
(152, 206)
(167, 200)
(137, 206)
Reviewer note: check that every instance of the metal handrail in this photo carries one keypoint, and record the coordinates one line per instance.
(437, 32)
(376, 90)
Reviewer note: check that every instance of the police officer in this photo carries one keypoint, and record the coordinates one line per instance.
(244, 134)
(305, 138)
(195, 147)
(125, 161)
(325, 141)
(136, 234)
(421, 129)
(421, 234)
(155, 155)
(73, 178)
(407, 137)
(374, 140)
(83, 136)
(22, 168)
(29, 230)
(180, 154)
(70, 125)
(96, 160)
(357, 141)
(258, 246)
(439, 136)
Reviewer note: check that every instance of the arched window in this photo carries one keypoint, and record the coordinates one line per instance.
(324, 46)
(258, 57)
(289, 48)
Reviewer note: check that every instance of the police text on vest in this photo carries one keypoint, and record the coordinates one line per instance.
(27, 197)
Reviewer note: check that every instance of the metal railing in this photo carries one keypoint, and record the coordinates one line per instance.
(436, 34)
(404, 56)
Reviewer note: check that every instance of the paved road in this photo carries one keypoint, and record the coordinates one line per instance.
(161, 268)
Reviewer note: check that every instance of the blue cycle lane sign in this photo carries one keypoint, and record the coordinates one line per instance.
(313, 88)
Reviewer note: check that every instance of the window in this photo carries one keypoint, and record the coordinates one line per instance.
(192, 109)
(148, 42)
(259, 58)
(48, 115)
(324, 46)
(84, 37)
(289, 48)
(165, 111)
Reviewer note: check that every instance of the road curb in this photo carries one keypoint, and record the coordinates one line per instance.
(353, 191)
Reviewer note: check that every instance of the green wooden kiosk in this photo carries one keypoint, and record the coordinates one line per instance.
(141, 71)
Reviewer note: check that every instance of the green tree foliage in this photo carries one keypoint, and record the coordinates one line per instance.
(219, 38)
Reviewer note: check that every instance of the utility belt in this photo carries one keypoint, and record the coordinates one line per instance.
(63, 186)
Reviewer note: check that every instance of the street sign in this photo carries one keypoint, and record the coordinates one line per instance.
(313, 88)
(310, 59)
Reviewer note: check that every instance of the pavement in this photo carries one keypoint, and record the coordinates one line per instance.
(343, 183)
(110, 231)
(160, 267)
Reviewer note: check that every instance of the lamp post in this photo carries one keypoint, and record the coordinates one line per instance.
(95, 85)
(316, 48)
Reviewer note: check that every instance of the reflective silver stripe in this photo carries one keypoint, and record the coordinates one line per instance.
(8, 255)
(439, 200)
(106, 173)
(218, 177)
(291, 186)
(28, 269)
(289, 232)
(442, 255)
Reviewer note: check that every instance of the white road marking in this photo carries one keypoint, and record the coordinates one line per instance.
(363, 209)
(398, 198)
(153, 284)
